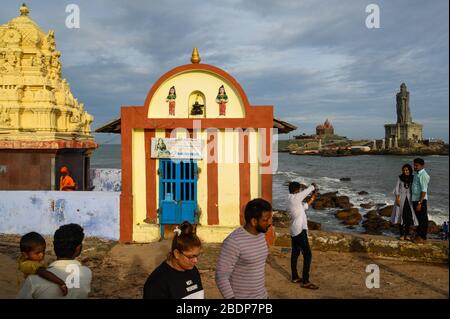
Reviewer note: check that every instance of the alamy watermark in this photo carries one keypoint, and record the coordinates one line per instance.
(73, 279)
(236, 145)
(373, 279)
(73, 19)
(373, 19)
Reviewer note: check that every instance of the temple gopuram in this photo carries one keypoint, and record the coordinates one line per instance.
(325, 129)
(42, 125)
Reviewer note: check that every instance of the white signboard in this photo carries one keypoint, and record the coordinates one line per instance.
(176, 148)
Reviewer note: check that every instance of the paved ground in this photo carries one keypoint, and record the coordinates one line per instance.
(119, 271)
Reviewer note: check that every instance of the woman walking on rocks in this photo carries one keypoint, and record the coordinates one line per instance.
(403, 212)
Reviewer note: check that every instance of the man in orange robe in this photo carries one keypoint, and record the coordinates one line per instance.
(66, 183)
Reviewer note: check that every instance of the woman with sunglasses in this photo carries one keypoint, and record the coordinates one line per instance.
(178, 277)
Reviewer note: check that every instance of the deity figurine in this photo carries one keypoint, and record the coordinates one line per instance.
(222, 99)
(171, 99)
(197, 107)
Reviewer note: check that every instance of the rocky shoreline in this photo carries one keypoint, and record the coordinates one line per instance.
(418, 150)
(399, 152)
(434, 251)
(375, 222)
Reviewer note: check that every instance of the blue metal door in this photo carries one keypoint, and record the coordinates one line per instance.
(177, 191)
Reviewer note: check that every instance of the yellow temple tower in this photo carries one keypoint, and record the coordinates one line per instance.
(42, 125)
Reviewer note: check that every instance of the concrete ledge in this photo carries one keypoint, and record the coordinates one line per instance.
(214, 234)
(435, 251)
(146, 233)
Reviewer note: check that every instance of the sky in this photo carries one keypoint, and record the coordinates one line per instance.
(311, 59)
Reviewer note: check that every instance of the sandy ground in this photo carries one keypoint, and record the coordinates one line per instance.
(119, 271)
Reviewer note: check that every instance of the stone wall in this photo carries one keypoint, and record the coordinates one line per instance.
(26, 169)
(106, 179)
(38, 169)
(44, 212)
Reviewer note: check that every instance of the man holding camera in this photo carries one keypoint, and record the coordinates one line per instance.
(299, 231)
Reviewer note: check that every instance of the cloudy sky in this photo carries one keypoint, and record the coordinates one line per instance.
(310, 59)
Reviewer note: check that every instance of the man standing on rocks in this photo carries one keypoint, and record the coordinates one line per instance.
(419, 198)
(299, 231)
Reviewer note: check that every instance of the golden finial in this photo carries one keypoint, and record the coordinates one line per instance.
(24, 10)
(195, 56)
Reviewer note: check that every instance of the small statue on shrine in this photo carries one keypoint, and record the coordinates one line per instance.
(197, 107)
(171, 99)
(222, 100)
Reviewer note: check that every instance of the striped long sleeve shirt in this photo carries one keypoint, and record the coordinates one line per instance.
(240, 271)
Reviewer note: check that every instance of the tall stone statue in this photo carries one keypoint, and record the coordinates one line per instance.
(403, 112)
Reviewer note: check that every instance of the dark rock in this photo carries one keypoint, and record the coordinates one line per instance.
(386, 211)
(345, 179)
(352, 221)
(371, 214)
(367, 205)
(374, 223)
(325, 201)
(330, 194)
(280, 218)
(343, 202)
(433, 228)
(345, 205)
(314, 225)
(349, 214)
(351, 227)
(363, 193)
(330, 200)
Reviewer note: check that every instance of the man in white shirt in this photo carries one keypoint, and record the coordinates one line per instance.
(67, 243)
(299, 231)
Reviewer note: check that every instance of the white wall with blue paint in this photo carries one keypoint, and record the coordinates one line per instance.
(105, 179)
(44, 211)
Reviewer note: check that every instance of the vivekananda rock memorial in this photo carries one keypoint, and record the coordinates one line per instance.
(42, 125)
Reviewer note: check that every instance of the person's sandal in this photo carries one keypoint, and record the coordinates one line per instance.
(296, 281)
(309, 285)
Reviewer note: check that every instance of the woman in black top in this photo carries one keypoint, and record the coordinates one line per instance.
(177, 277)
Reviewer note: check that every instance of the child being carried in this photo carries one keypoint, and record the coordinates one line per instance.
(32, 253)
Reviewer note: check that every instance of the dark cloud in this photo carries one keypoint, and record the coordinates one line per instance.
(310, 59)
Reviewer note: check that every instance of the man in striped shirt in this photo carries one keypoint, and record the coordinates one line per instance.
(240, 271)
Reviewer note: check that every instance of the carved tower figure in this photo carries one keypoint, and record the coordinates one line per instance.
(403, 112)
